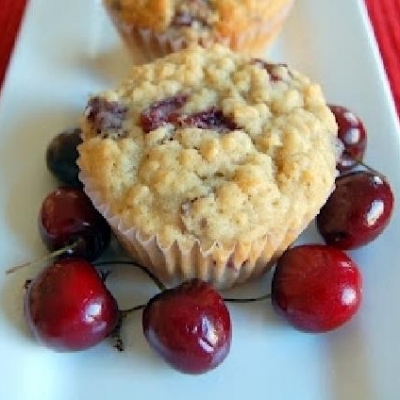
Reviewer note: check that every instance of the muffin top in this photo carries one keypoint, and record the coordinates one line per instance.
(223, 16)
(211, 146)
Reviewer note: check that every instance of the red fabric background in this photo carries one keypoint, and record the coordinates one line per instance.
(384, 15)
(11, 12)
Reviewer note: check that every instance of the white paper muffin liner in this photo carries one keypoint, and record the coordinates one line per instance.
(223, 268)
(147, 45)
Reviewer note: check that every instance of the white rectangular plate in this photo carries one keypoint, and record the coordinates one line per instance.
(66, 52)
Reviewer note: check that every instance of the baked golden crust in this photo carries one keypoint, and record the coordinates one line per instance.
(247, 25)
(239, 16)
(227, 15)
(154, 14)
(243, 182)
(240, 194)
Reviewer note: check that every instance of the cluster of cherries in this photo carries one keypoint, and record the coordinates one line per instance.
(317, 288)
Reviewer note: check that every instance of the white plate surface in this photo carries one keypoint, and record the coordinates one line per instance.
(66, 52)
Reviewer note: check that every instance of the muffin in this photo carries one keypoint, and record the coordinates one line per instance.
(153, 28)
(208, 163)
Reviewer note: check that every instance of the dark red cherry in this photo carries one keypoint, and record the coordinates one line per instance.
(106, 116)
(352, 133)
(316, 288)
(68, 307)
(357, 211)
(212, 118)
(67, 217)
(158, 113)
(189, 326)
(61, 156)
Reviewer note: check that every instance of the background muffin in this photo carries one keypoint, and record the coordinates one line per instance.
(152, 28)
(209, 163)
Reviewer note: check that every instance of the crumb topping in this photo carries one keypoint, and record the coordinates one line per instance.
(196, 18)
(217, 147)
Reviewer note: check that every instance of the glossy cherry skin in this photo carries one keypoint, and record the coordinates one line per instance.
(67, 216)
(189, 326)
(61, 156)
(316, 288)
(352, 133)
(357, 211)
(68, 307)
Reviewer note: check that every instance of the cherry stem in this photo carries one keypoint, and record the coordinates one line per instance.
(116, 333)
(104, 275)
(162, 287)
(369, 168)
(40, 260)
(361, 163)
(125, 313)
(248, 300)
(154, 278)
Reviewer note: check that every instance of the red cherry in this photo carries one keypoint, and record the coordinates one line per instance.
(357, 211)
(316, 288)
(189, 326)
(104, 116)
(212, 118)
(352, 133)
(61, 156)
(158, 113)
(67, 216)
(68, 307)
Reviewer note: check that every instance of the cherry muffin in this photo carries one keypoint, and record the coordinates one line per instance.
(209, 163)
(153, 28)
